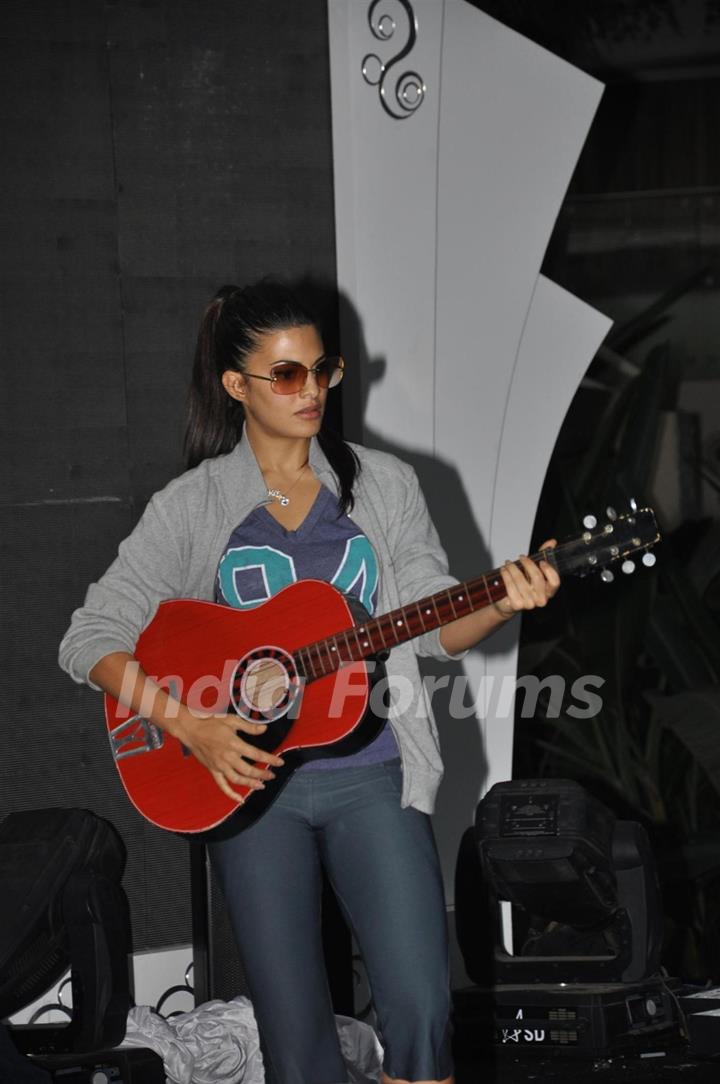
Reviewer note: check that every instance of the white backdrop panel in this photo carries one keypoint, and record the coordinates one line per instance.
(559, 329)
(467, 358)
(385, 205)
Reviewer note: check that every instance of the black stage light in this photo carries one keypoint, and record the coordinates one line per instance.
(586, 980)
(587, 881)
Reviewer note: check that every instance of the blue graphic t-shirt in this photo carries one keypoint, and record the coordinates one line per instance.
(262, 557)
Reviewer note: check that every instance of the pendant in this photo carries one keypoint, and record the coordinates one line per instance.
(284, 501)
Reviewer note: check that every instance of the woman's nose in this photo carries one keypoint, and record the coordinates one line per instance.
(311, 388)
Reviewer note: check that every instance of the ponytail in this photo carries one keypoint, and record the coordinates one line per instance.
(214, 418)
(230, 330)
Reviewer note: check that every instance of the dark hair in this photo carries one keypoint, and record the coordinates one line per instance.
(231, 328)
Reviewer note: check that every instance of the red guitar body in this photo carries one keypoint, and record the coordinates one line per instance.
(196, 650)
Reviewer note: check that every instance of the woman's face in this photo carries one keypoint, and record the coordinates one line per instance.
(297, 415)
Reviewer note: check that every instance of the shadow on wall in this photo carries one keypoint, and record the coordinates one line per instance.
(460, 738)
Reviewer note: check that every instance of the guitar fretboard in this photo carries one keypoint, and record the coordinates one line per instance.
(380, 634)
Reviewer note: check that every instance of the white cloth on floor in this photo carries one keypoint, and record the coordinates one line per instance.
(217, 1043)
(361, 1050)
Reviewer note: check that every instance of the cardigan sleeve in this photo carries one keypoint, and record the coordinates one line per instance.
(419, 560)
(148, 569)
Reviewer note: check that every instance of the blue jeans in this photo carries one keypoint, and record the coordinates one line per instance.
(382, 863)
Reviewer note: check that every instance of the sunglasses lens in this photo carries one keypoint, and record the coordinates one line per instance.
(329, 372)
(290, 377)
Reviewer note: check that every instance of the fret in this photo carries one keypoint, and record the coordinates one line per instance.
(316, 663)
(462, 599)
(410, 627)
(332, 652)
(366, 643)
(469, 601)
(351, 656)
(389, 617)
(429, 614)
(311, 660)
(319, 646)
(452, 604)
(548, 555)
(358, 652)
(396, 623)
(481, 585)
(301, 662)
(437, 612)
(420, 615)
(497, 582)
(382, 634)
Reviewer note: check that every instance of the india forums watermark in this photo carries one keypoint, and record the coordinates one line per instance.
(447, 696)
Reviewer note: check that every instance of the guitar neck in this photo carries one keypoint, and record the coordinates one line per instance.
(380, 634)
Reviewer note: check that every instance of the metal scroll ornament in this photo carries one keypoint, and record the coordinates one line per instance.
(401, 94)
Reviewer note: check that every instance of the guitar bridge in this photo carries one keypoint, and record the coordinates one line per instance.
(135, 735)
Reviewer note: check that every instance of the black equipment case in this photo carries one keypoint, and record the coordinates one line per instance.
(61, 904)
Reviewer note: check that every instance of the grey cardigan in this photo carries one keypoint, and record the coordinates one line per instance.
(174, 552)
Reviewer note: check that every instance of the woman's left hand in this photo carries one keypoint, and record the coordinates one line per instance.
(527, 585)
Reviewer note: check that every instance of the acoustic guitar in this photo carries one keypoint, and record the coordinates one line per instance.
(305, 662)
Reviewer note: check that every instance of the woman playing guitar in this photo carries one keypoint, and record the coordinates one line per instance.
(273, 497)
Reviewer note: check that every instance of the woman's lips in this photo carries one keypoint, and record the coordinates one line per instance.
(309, 412)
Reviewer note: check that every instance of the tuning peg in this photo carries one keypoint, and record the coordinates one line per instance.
(628, 567)
(606, 576)
(648, 559)
(610, 513)
(589, 522)
(633, 504)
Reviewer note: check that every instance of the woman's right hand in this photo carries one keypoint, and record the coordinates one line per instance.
(214, 740)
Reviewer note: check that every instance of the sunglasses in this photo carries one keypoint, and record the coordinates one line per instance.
(290, 377)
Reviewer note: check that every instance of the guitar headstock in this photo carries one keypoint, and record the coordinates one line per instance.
(601, 545)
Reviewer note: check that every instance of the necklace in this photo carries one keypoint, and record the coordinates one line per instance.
(284, 498)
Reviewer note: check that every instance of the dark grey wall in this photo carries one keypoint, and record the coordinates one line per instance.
(152, 150)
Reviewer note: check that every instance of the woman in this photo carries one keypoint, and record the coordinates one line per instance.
(271, 497)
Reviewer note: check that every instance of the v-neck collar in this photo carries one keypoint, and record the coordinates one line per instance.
(315, 512)
(239, 500)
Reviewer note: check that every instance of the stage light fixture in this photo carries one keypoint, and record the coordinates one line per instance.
(586, 980)
(586, 880)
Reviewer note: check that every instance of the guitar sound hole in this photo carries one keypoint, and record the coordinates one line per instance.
(265, 685)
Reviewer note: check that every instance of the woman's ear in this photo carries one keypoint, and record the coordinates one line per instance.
(235, 384)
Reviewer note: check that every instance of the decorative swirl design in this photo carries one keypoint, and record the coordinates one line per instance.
(402, 96)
